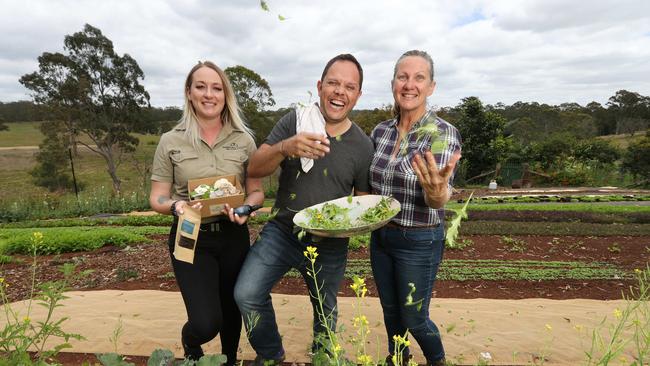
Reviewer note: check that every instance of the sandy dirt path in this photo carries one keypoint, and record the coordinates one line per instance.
(514, 332)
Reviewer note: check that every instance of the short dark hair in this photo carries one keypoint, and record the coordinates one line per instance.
(344, 57)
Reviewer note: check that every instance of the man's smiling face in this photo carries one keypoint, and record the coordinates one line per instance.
(339, 91)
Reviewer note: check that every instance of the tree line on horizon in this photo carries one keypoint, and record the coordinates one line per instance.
(89, 90)
(626, 112)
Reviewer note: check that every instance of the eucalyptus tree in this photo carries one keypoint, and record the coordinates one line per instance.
(89, 90)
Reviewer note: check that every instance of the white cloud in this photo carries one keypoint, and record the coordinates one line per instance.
(545, 51)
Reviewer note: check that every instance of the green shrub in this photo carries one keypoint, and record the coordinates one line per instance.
(52, 164)
(572, 172)
(596, 150)
(636, 159)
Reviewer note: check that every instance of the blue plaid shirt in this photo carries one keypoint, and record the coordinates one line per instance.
(394, 176)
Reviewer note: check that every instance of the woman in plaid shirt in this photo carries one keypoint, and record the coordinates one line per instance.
(415, 156)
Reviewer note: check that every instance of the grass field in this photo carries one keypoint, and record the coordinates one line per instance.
(90, 168)
(29, 134)
(624, 140)
(21, 134)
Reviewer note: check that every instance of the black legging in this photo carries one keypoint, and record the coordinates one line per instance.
(207, 285)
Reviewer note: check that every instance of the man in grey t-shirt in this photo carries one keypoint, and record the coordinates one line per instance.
(341, 161)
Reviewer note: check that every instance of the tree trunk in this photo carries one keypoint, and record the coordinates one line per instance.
(117, 183)
(111, 168)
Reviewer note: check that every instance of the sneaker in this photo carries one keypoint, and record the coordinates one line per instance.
(440, 362)
(260, 361)
(192, 353)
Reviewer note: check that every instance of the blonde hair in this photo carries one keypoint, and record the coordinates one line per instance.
(417, 53)
(231, 112)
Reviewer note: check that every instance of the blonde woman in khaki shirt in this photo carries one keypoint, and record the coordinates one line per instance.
(211, 139)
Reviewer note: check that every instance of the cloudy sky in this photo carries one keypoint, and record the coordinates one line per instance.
(549, 51)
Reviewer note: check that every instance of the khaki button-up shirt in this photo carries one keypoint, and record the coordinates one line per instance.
(176, 161)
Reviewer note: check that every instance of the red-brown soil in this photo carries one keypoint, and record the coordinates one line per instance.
(147, 266)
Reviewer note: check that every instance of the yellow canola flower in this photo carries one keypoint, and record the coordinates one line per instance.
(359, 286)
(358, 321)
(311, 253)
(398, 339)
(26, 319)
(618, 313)
(364, 360)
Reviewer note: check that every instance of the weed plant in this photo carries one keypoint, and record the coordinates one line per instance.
(629, 334)
(514, 244)
(125, 274)
(21, 332)
(330, 351)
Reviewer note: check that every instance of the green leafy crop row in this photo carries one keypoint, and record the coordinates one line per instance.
(62, 240)
(497, 270)
(118, 220)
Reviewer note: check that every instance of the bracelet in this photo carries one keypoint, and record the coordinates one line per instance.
(172, 209)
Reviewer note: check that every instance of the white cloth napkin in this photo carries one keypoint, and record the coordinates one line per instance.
(309, 119)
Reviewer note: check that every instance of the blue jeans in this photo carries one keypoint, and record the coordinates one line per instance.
(274, 254)
(399, 257)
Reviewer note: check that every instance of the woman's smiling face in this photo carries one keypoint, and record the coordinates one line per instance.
(206, 94)
(412, 84)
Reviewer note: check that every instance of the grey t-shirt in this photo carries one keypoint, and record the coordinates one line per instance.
(343, 169)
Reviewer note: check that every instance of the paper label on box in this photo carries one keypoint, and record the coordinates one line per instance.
(187, 233)
(216, 209)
